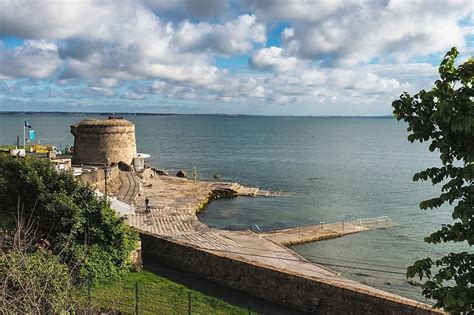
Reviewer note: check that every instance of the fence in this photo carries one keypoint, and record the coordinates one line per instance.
(371, 223)
(374, 223)
(148, 298)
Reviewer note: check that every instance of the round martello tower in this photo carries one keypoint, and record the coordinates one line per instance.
(96, 140)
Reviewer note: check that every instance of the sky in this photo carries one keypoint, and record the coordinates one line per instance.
(265, 57)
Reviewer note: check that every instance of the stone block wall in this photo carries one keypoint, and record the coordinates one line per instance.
(93, 144)
(274, 285)
(97, 179)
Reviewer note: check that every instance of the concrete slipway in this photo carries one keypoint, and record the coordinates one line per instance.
(172, 223)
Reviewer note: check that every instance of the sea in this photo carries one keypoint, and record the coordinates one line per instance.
(328, 169)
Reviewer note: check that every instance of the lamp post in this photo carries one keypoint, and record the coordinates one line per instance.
(106, 173)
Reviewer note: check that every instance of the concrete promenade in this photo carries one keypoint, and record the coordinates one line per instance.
(175, 202)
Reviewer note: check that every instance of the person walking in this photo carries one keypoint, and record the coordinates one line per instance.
(147, 205)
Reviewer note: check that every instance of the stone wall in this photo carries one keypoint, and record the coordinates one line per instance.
(97, 140)
(274, 285)
(97, 179)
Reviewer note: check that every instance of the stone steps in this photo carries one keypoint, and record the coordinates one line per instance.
(209, 240)
(161, 225)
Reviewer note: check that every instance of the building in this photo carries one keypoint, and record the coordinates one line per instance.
(98, 141)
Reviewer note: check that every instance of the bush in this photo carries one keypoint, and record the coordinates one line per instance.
(82, 228)
(34, 283)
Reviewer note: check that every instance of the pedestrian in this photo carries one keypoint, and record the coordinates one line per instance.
(147, 205)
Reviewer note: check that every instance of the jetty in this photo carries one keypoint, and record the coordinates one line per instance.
(322, 231)
(255, 262)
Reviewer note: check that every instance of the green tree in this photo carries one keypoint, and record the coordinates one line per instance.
(80, 227)
(444, 117)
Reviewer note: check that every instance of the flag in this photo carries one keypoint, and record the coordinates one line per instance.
(27, 124)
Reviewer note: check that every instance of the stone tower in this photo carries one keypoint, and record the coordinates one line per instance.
(95, 140)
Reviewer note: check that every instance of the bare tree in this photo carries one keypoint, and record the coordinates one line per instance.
(33, 280)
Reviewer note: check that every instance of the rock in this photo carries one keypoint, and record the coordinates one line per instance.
(159, 172)
(146, 173)
(124, 166)
(181, 174)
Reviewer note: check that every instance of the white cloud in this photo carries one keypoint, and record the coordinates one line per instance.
(132, 96)
(296, 10)
(337, 52)
(53, 19)
(125, 40)
(100, 91)
(203, 9)
(34, 59)
(354, 32)
(235, 37)
(272, 59)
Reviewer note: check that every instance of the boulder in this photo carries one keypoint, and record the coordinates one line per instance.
(181, 174)
(146, 173)
(159, 172)
(124, 166)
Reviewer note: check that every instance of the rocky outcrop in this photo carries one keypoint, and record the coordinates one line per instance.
(182, 174)
(146, 173)
(159, 172)
(124, 166)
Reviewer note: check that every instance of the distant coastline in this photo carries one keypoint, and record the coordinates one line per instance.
(180, 114)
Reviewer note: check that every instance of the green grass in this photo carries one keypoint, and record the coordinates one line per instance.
(156, 295)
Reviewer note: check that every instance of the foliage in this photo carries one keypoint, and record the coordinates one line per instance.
(34, 281)
(37, 282)
(78, 225)
(444, 116)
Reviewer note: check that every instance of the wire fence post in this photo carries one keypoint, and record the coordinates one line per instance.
(89, 297)
(189, 303)
(250, 308)
(136, 298)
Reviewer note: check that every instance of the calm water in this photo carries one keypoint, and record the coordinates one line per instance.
(338, 168)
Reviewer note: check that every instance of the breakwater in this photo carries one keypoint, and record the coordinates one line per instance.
(255, 263)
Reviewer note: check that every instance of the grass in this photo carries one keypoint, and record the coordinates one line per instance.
(156, 295)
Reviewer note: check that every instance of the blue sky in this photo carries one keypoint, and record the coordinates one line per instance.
(276, 57)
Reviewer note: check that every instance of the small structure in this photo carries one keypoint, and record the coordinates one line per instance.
(61, 164)
(139, 161)
(96, 140)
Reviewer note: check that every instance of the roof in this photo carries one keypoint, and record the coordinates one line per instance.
(105, 122)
